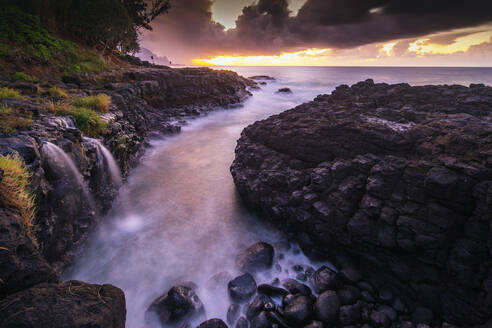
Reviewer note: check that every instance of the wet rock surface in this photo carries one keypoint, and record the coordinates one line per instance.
(242, 288)
(397, 178)
(257, 257)
(178, 304)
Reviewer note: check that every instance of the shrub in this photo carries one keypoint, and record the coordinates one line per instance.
(21, 76)
(23, 32)
(99, 102)
(4, 49)
(57, 92)
(9, 93)
(14, 191)
(11, 120)
(88, 121)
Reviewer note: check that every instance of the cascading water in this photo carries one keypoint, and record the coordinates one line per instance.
(179, 218)
(62, 165)
(106, 162)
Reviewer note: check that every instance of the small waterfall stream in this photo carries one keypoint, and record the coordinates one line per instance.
(179, 217)
(106, 162)
(58, 160)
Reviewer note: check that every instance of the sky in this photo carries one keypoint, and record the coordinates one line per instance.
(324, 33)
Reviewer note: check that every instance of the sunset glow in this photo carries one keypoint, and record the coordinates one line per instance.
(300, 58)
(373, 54)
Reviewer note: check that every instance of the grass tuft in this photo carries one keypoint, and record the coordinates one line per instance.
(57, 92)
(11, 120)
(14, 190)
(99, 102)
(21, 76)
(88, 121)
(9, 93)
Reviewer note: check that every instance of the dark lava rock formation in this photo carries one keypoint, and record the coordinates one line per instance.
(143, 102)
(178, 304)
(66, 167)
(67, 305)
(398, 178)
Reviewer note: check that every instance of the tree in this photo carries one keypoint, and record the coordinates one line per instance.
(105, 24)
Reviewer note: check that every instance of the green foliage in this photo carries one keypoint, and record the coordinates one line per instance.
(21, 76)
(88, 121)
(25, 30)
(9, 93)
(11, 120)
(20, 31)
(14, 191)
(107, 24)
(57, 92)
(99, 102)
(4, 49)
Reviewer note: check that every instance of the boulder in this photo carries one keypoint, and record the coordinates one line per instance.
(325, 278)
(296, 288)
(242, 323)
(242, 288)
(272, 290)
(327, 307)
(261, 321)
(178, 304)
(257, 257)
(299, 311)
(348, 295)
(284, 90)
(257, 306)
(350, 314)
(212, 323)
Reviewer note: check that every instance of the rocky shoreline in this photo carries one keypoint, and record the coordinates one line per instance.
(394, 178)
(74, 182)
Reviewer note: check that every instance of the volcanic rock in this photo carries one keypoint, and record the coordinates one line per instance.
(178, 304)
(397, 177)
(212, 323)
(242, 288)
(257, 257)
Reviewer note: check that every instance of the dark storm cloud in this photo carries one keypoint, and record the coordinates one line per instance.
(267, 28)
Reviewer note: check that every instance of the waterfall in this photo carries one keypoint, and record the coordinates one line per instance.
(106, 161)
(64, 166)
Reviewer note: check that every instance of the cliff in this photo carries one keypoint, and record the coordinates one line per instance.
(67, 148)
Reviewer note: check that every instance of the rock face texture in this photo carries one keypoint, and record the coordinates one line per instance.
(74, 182)
(397, 177)
(71, 304)
(143, 101)
(31, 295)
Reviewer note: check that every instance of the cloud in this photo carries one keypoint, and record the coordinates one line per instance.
(267, 27)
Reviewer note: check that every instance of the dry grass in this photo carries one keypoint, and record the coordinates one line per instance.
(9, 93)
(12, 119)
(58, 108)
(14, 190)
(57, 92)
(99, 102)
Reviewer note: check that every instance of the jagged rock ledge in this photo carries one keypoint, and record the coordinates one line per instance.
(397, 177)
(67, 166)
